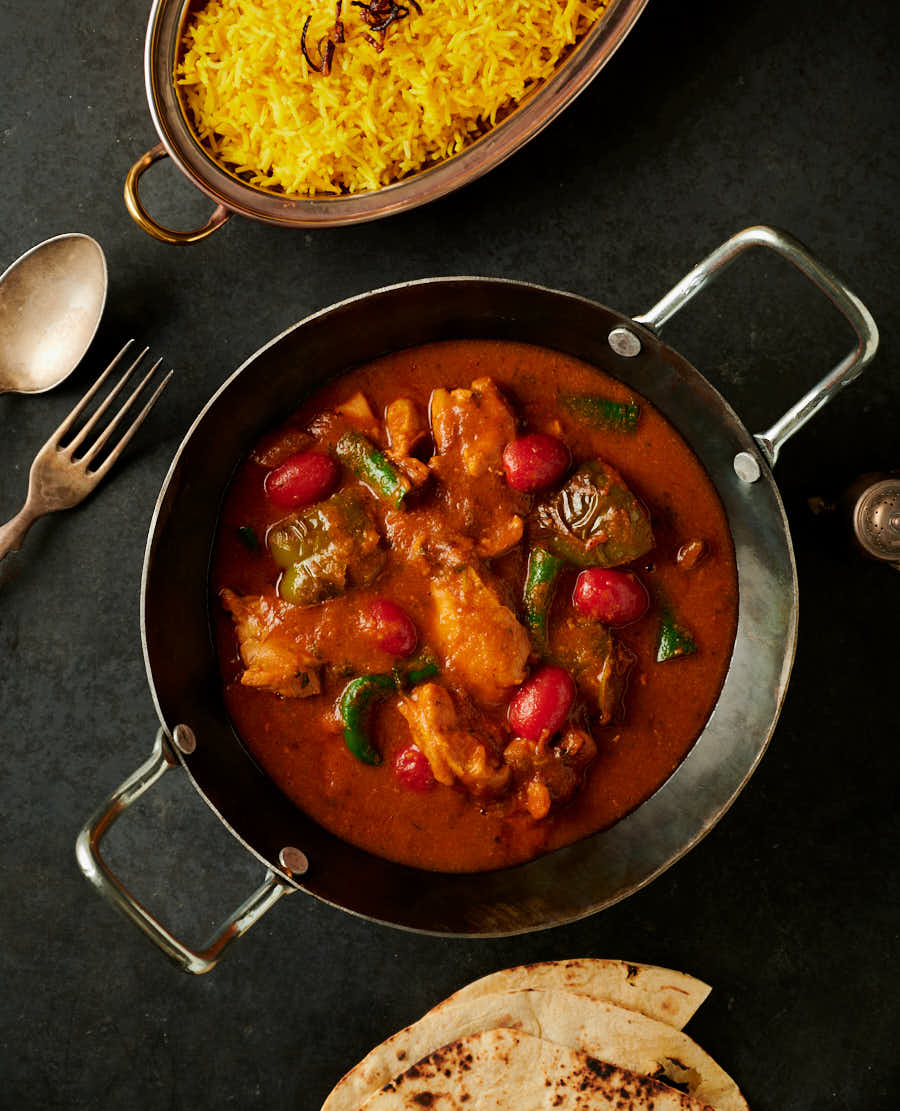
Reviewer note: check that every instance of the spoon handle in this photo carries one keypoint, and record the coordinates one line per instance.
(13, 532)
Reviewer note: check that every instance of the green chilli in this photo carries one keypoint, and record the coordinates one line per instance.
(368, 463)
(358, 697)
(540, 583)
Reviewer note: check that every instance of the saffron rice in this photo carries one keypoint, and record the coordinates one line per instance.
(442, 79)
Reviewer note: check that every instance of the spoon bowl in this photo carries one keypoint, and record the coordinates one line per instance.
(51, 301)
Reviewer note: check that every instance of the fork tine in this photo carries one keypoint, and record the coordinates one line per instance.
(70, 419)
(105, 404)
(134, 426)
(107, 432)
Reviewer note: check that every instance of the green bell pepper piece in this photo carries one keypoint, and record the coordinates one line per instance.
(594, 520)
(674, 639)
(326, 547)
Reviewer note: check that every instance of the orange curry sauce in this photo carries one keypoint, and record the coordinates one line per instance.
(299, 741)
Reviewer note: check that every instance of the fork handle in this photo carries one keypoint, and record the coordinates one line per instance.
(13, 532)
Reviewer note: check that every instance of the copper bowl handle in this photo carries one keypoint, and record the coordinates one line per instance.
(143, 218)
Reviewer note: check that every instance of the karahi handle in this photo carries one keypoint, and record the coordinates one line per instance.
(848, 304)
(87, 851)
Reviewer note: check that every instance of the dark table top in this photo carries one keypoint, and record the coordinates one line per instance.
(710, 117)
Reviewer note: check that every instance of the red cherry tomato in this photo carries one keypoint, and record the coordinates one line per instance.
(535, 461)
(413, 770)
(302, 479)
(613, 597)
(541, 705)
(393, 627)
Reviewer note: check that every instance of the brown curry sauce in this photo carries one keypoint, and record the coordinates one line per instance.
(299, 742)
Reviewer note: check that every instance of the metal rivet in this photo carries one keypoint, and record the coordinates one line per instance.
(746, 467)
(293, 861)
(184, 738)
(895, 523)
(624, 342)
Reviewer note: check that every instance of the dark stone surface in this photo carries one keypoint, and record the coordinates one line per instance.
(712, 116)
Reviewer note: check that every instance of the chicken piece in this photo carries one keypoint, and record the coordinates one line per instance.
(550, 775)
(353, 415)
(406, 429)
(470, 429)
(454, 751)
(503, 535)
(477, 423)
(357, 413)
(273, 658)
(423, 537)
(415, 470)
(479, 637)
(405, 425)
(599, 664)
(608, 686)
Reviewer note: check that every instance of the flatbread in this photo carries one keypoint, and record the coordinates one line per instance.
(506, 1070)
(660, 993)
(626, 1039)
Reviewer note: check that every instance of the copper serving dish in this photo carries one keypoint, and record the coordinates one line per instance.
(232, 195)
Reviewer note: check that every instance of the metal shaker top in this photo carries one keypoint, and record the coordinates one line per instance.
(876, 519)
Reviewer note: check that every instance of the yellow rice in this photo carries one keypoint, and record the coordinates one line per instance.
(443, 78)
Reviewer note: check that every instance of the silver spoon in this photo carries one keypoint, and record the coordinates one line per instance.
(51, 301)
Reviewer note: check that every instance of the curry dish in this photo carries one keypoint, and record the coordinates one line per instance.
(473, 602)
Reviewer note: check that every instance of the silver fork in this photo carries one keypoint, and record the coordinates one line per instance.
(58, 479)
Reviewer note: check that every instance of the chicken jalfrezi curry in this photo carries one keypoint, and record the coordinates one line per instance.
(441, 594)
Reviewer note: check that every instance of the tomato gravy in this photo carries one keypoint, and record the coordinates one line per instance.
(299, 741)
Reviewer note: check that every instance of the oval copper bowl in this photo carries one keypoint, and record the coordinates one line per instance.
(232, 195)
